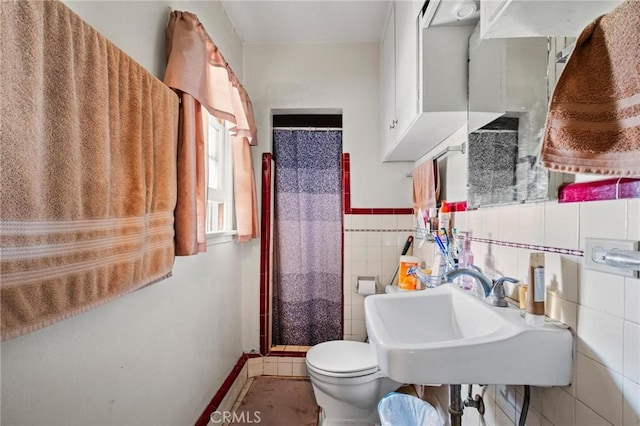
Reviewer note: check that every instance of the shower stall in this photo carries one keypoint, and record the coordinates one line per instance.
(304, 301)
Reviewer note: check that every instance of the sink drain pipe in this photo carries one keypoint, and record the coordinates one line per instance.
(455, 405)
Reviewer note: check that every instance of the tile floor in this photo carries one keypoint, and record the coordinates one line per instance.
(281, 401)
(276, 401)
(279, 388)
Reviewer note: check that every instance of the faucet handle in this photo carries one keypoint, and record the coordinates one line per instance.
(497, 291)
(500, 281)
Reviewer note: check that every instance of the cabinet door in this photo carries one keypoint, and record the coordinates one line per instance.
(406, 65)
(388, 85)
(487, 80)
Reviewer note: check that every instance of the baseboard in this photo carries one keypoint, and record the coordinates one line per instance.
(224, 389)
(278, 363)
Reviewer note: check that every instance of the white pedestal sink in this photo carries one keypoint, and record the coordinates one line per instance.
(446, 335)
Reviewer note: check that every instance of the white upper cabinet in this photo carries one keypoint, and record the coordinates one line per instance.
(430, 96)
(388, 84)
(406, 65)
(536, 18)
(399, 72)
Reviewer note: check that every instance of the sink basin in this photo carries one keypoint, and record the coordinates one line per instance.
(447, 335)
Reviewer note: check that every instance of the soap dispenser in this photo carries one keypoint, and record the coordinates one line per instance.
(465, 260)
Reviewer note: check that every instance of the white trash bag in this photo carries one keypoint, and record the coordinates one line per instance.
(399, 409)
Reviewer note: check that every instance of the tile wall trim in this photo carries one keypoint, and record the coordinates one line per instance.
(570, 252)
(346, 196)
(288, 354)
(204, 418)
(265, 255)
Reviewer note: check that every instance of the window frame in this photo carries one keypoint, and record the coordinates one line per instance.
(224, 192)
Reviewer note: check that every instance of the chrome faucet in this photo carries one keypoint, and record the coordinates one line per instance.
(493, 291)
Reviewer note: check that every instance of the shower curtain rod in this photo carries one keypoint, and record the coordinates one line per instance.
(307, 128)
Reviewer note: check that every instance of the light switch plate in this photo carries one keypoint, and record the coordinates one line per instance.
(598, 243)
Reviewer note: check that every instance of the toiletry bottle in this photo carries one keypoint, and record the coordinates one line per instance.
(418, 220)
(438, 269)
(406, 281)
(457, 248)
(454, 249)
(465, 260)
(534, 311)
(445, 216)
(522, 292)
(433, 219)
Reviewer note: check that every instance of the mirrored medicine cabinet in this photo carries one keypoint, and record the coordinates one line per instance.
(510, 84)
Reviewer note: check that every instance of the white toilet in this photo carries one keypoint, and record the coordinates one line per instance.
(347, 382)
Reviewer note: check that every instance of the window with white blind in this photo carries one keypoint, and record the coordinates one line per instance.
(219, 177)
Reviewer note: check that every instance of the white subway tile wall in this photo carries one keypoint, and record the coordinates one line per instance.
(256, 367)
(631, 408)
(285, 366)
(603, 310)
(631, 351)
(600, 388)
(229, 400)
(270, 366)
(586, 416)
(372, 248)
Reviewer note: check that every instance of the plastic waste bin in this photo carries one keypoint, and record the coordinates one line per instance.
(399, 409)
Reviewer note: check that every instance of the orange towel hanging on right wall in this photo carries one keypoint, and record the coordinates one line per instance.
(593, 125)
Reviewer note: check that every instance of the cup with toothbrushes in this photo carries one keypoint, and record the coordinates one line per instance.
(444, 253)
(441, 262)
(424, 276)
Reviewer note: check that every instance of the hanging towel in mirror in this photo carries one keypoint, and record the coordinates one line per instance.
(593, 125)
(426, 185)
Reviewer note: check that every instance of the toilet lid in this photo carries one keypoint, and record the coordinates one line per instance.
(343, 356)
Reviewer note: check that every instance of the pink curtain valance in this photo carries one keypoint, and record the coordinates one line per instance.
(196, 66)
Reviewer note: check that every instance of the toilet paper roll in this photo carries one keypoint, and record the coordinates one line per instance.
(366, 287)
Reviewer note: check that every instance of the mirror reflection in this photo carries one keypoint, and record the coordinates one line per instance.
(510, 80)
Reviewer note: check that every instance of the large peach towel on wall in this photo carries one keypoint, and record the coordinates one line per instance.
(88, 172)
(593, 125)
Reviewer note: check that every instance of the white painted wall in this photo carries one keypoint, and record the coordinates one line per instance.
(138, 28)
(158, 355)
(343, 76)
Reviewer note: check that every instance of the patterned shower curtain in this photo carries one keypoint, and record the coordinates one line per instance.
(307, 278)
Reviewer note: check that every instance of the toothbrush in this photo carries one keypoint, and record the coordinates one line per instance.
(440, 244)
(446, 235)
(443, 249)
